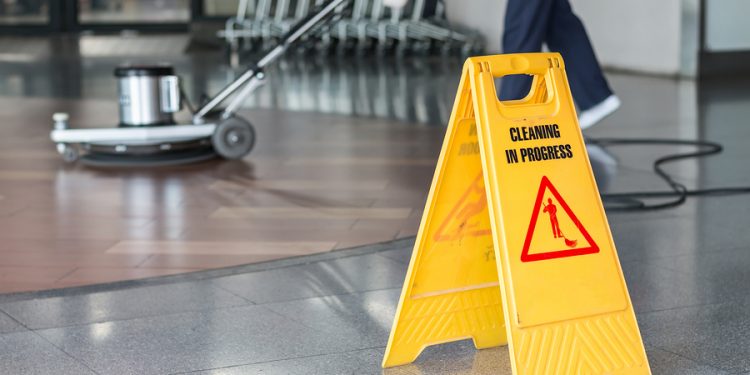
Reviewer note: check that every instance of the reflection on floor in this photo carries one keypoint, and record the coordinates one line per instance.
(331, 313)
(125, 11)
(315, 183)
(319, 181)
(417, 90)
(345, 155)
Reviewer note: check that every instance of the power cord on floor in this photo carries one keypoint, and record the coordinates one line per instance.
(678, 193)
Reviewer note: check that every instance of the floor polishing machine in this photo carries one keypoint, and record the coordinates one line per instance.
(150, 95)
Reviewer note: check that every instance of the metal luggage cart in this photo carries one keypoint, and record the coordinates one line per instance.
(369, 23)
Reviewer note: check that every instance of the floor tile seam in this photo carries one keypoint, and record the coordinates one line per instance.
(729, 249)
(691, 359)
(219, 286)
(209, 274)
(693, 274)
(13, 318)
(643, 263)
(296, 320)
(76, 359)
(300, 322)
(387, 257)
(662, 268)
(685, 255)
(354, 293)
(354, 223)
(332, 251)
(66, 275)
(146, 223)
(113, 286)
(280, 360)
(17, 211)
(144, 261)
(181, 235)
(710, 304)
(146, 316)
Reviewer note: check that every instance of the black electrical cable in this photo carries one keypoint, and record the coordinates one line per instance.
(631, 201)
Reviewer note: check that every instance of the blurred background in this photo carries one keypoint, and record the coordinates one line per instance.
(676, 37)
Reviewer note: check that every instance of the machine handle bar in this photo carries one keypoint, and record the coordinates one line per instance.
(301, 27)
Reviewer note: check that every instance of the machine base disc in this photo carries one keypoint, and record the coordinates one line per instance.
(171, 158)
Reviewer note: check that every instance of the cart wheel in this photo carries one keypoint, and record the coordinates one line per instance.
(233, 138)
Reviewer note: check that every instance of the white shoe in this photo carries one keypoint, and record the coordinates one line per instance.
(591, 116)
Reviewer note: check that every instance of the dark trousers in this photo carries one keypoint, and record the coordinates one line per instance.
(528, 24)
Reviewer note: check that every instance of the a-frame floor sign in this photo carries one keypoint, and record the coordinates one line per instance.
(514, 246)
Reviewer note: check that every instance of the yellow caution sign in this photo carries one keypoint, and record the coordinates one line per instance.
(514, 246)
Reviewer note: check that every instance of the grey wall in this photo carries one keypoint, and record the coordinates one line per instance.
(727, 26)
(483, 15)
(642, 35)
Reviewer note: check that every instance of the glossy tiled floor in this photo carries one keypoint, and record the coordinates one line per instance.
(688, 269)
(319, 179)
(315, 183)
(331, 313)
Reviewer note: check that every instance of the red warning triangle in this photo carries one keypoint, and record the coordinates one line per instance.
(568, 246)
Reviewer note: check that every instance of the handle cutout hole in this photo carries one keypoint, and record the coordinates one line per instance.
(515, 89)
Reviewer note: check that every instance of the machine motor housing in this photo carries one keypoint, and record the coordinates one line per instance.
(148, 94)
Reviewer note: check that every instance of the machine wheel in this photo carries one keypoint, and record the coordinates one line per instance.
(69, 153)
(233, 138)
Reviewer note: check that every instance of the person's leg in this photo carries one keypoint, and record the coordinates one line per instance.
(556, 228)
(524, 31)
(567, 35)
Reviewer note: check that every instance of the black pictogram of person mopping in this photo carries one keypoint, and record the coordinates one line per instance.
(551, 209)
